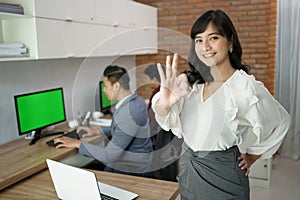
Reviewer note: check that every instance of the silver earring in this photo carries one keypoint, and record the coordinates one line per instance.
(230, 50)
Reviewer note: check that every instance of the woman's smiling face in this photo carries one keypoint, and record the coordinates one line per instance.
(211, 47)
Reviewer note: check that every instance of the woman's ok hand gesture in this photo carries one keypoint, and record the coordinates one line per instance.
(172, 87)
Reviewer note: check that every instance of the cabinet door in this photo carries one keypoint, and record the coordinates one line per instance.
(123, 13)
(135, 41)
(70, 10)
(58, 39)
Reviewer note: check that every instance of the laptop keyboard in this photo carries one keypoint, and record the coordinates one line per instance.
(106, 197)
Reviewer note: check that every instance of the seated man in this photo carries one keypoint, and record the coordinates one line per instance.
(129, 150)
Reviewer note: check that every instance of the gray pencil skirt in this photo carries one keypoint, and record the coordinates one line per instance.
(212, 175)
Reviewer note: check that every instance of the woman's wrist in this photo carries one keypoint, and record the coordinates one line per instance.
(253, 157)
(161, 109)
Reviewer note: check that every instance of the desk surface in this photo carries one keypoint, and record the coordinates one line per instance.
(40, 186)
(23, 173)
(19, 160)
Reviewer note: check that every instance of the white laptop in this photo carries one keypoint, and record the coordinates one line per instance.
(74, 183)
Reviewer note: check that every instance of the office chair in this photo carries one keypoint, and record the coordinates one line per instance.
(167, 149)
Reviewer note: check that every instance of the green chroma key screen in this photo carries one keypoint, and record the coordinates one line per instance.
(39, 110)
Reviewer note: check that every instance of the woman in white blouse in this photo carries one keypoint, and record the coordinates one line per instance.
(213, 107)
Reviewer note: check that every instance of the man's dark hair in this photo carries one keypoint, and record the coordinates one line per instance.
(115, 74)
(152, 72)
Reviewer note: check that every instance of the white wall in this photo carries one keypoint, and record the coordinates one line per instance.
(78, 77)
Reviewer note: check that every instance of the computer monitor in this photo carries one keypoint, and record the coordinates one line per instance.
(105, 103)
(38, 110)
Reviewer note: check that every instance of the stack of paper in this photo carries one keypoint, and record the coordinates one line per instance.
(11, 8)
(8, 50)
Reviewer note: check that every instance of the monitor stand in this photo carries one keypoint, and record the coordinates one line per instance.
(30, 136)
(38, 135)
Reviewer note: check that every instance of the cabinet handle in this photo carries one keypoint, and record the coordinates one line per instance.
(68, 20)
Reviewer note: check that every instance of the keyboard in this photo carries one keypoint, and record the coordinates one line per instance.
(101, 122)
(106, 197)
(71, 134)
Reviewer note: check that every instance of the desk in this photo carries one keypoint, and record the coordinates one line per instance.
(19, 160)
(23, 173)
(40, 186)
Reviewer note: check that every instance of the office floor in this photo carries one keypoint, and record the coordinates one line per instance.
(285, 182)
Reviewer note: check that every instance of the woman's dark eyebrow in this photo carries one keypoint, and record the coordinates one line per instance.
(210, 34)
(214, 33)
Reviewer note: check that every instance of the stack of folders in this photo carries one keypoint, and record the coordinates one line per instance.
(11, 8)
(8, 50)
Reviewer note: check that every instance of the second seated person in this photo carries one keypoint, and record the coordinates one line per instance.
(129, 149)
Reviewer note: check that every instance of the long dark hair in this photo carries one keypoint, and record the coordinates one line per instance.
(199, 72)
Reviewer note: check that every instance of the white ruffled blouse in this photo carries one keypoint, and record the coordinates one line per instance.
(240, 106)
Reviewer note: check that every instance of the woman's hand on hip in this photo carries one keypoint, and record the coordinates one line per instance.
(246, 160)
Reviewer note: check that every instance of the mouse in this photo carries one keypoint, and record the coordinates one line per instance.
(72, 134)
(52, 144)
(81, 133)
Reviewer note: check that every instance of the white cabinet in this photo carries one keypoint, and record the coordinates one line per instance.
(76, 10)
(77, 28)
(57, 38)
